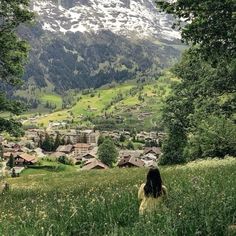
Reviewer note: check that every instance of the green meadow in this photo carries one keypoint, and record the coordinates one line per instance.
(201, 201)
(127, 100)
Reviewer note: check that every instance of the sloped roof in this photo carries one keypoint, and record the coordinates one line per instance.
(93, 163)
(150, 163)
(8, 154)
(57, 154)
(150, 156)
(131, 160)
(65, 148)
(82, 145)
(89, 155)
(155, 150)
(27, 157)
(130, 153)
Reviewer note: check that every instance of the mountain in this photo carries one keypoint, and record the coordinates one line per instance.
(88, 43)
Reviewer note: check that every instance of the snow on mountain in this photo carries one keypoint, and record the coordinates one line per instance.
(129, 18)
(89, 43)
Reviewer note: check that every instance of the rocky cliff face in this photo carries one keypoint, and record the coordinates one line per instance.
(87, 43)
(124, 17)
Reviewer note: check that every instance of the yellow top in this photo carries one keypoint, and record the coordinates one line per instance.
(149, 204)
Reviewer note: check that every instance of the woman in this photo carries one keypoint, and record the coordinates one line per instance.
(152, 192)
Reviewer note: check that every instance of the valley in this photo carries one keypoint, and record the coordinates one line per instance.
(129, 105)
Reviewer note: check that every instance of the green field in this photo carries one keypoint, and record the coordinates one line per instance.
(128, 101)
(201, 201)
(52, 99)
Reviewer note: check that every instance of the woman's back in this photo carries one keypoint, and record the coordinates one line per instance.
(150, 204)
(152, 192)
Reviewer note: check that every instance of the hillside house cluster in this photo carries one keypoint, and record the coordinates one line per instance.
(141, 136)
(21, 154)
(75, 136)
(139, 158)
(82, 149)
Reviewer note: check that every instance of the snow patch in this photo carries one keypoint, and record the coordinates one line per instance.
(139, 17)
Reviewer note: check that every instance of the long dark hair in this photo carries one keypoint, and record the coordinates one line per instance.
(153, 186)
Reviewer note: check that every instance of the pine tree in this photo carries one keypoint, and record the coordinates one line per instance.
(1, 151)
(57, 141)
(48, 143)
(11, 162)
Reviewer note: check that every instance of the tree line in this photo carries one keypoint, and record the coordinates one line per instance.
(199, 116)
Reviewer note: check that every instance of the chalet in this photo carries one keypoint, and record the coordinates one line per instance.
(57, 155)
(67, 149)
(94, 164)
(150, 164)
(38, 152)
(11, 147)
(81, 149)
(23, 159)
(149, 156)
(130, 153)
(6, 155)
(88, 156)
(130, 162)
(24, 149)
(154, 150)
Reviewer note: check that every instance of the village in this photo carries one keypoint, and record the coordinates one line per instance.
(78, 148)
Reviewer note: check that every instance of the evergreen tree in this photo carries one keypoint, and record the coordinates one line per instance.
(13, 57)
(57, 141)
(63, 141)
(208, 24)
(107, 152)
(130, 145)
(48, 143)
(1, 151)
(40, 143)
(100, 140)
(122, 138)
(208, 82)
(11, 162)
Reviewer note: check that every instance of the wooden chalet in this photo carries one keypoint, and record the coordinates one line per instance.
(57, 155)
(130, 161)
(94, 164)
(81, 149)
(154, 150)
(67, 149)
(23, 159)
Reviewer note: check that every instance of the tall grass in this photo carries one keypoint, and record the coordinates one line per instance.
(201, 201)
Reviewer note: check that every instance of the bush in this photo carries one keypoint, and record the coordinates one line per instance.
(66, 160)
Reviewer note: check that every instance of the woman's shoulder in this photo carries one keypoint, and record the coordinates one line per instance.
(142, 185)
(164, 189)
(141, 188)
(141, 191)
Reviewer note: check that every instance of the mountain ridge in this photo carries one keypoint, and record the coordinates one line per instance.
(91, 58)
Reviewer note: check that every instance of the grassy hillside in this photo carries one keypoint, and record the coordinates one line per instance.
(201, 201)
(134, 104)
